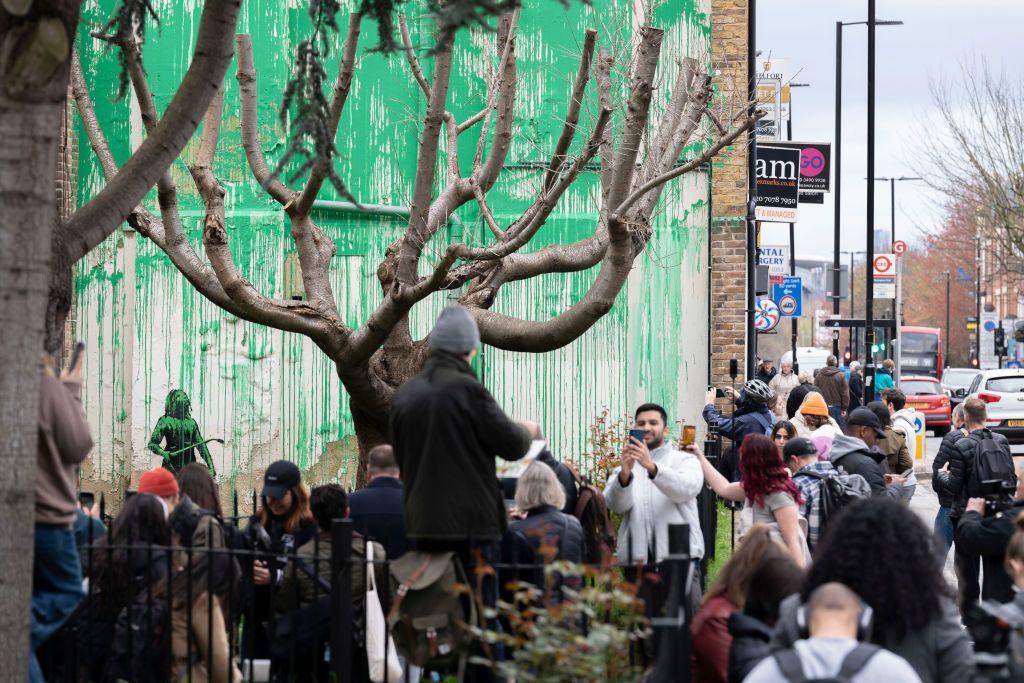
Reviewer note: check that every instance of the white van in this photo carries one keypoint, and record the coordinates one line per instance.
(808, 358)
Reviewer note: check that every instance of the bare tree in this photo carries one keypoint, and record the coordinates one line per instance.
(37, 249)
(375, 358)
(974, 156)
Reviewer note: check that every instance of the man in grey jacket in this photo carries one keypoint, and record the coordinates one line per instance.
(854, 452)
(831, 650)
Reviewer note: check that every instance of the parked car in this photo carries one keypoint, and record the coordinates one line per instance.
(925, 395)
(1003, 391)
(956, 382)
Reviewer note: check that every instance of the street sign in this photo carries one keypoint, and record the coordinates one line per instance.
(788, 294)
(815, 158)
(858, 322)
(766, 317)
(775, 257)
(769, 100)
(884, 268)
(989, 323)
(899, 247)
(972, 326)
(778, 184)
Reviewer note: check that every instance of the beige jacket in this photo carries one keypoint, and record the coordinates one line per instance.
(64, 442)
(209, 643)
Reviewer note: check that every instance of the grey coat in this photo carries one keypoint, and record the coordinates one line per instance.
(940, 652)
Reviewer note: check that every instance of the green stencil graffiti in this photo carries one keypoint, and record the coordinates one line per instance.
(180, 434)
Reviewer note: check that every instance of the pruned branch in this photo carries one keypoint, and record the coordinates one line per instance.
(98, 218)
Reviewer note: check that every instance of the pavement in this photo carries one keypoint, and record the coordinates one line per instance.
(925, 503)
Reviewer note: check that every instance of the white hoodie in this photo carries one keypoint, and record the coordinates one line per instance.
(903, 422)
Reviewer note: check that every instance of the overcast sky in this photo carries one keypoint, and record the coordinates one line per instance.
(936, 36)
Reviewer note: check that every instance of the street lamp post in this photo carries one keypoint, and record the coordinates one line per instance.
(892, 200)
(751, 236)
(837, 165)
(948, 330)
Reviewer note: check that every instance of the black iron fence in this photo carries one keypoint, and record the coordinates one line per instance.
(161, 612)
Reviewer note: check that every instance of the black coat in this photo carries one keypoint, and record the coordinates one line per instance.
(856, 384)
(546, 525)
(988, 537)
(446, 430)
(941, 480)
(750, 644)
(376, 513)
(796, 397)
(961, 465)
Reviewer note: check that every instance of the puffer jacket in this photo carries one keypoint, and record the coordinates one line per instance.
(649, 505)
(783, 385)
(750, 644)
(546, 526)
(940, 478)
(834, 387)
(854, 456)
(749, 418)
(829, 429)
(903, 422)
(446, 430)
(961, 464)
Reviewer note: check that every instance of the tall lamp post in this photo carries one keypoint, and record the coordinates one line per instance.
(948, 330)
(838, 155)
(896, 315)
(751, 236)
(792, 230)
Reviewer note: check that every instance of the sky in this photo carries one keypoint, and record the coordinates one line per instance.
(936, 37)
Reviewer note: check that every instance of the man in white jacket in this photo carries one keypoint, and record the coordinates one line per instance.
(654, 486)
(903, 422)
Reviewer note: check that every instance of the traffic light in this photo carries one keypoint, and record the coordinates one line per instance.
(999, 337)
(974, 361)
(847, 356)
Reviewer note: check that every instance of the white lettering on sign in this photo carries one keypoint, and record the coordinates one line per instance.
(776, 169)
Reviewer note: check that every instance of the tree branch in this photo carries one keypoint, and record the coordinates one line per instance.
(501, 141)
(572, 116)
(247, 93)
(603, 71)
(410, 56)
(346, 68)
(92, 223)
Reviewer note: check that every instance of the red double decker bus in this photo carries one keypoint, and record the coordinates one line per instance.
(921, 351)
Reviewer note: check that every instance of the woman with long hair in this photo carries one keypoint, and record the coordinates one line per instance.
(883, 552)
(131, 560)
(710, 628)
(782, 432)
(281, 525)
(765, 485)
(195, 481)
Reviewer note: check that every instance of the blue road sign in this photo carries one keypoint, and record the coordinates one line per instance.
(788, 296)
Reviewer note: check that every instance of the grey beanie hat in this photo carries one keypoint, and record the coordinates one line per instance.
(455, 331)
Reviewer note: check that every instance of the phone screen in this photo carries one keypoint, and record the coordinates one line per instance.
(87, 499)
(637, 434)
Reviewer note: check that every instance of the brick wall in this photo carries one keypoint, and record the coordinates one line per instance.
(729, 196)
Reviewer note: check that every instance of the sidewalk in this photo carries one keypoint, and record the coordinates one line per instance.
(926, 504)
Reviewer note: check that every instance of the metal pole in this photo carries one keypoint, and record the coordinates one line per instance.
(948, 331)
(837, 175)
(752, 188)
(892, 211)
(977, 302)
(869, 290)
(854, 354)
(792, 246)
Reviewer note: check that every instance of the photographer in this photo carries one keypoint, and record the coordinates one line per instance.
(985, 530)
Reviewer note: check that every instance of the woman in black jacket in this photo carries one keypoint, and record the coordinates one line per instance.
(542, 533)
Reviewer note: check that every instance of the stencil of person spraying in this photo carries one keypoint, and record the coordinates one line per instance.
(179, 433)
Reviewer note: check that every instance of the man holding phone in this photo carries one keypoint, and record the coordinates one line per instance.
(655, 486)
(64, 442)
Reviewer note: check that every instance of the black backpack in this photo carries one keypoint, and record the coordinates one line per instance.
(990, 462)
(793, 669)
(141, 649)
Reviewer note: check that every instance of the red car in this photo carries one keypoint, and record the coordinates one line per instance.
(925, 395)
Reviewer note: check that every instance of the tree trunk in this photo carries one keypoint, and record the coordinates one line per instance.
(372, 429)
(33, 90)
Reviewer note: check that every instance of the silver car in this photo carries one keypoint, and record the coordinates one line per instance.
(1003, 393)
(957, 381)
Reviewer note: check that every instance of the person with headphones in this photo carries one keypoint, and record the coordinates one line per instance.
(834, 625)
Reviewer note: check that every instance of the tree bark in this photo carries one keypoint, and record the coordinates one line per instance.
(36, 50)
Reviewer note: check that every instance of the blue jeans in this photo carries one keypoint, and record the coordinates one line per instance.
(56, 587)
(944, 530)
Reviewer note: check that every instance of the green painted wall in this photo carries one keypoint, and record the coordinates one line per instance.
(271, 394)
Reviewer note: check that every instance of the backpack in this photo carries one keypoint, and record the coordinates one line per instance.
(431, 617)
(592, 513)
(990, 462)
(838, 489)
(766, 423)
(792, 668)
(141, 648)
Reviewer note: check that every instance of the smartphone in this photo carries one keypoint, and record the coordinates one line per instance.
(719, 393)
(79, 347)
(689, 435)
(907, 473)
(87, 499)
(637, 434)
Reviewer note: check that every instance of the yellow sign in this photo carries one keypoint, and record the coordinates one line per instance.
(972, 326)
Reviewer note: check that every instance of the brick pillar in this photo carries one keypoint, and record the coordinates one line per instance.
(729, 197)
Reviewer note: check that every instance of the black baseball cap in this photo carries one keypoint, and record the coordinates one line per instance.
(865, 417)
(799, 447)
(280, 476)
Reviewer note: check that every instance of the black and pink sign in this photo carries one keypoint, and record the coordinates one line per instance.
(815, 170)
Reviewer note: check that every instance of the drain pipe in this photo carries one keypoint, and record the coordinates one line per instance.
(372, 209)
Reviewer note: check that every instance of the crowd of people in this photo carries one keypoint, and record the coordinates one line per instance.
(832, 575)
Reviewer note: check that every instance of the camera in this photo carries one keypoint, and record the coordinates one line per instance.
(998, 495)
(994, 628)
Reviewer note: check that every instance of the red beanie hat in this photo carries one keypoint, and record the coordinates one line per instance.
(159, 482)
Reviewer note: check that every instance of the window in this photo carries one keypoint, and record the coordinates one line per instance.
(1009, 385)
(975, 385)
(918, 387)
(919, 342)
(958, 378)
